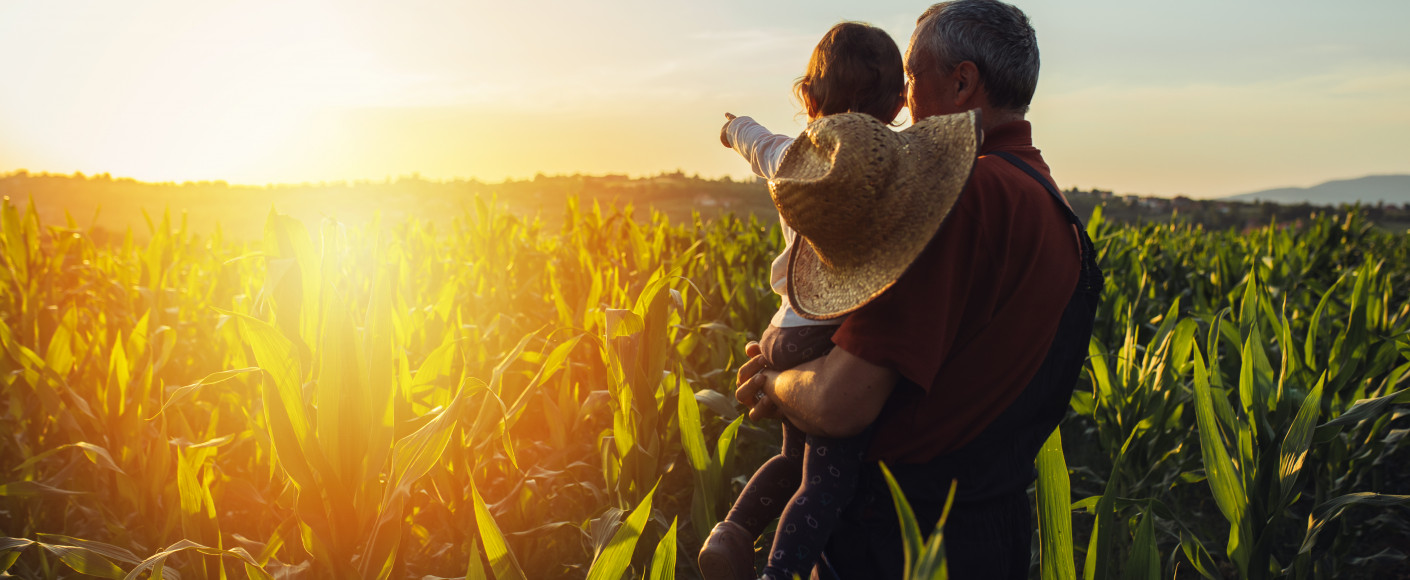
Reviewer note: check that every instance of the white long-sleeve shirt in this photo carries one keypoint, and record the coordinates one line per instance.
(763, 150)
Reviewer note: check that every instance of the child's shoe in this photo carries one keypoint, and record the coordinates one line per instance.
(728, 554)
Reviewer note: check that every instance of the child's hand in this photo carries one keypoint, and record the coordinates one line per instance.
(724, 131)
(750, 385)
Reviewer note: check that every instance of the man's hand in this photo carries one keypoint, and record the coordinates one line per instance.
(753, 380)
(837, 395)
(724, 140)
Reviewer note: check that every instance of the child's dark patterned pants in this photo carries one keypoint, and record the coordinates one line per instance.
(809, 482)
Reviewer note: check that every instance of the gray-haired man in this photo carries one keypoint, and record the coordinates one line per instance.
(967, 363)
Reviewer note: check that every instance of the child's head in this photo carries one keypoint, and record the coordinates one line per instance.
(856, 68)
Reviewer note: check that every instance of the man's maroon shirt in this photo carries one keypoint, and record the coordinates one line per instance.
(968, 325)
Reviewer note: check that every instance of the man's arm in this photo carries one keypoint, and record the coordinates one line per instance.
(838, 395)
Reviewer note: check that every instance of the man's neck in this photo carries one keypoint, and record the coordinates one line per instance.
(994, 117)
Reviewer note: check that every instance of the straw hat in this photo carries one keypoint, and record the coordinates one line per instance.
(866, 200)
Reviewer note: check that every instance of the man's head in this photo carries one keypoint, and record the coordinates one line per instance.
(969, 54)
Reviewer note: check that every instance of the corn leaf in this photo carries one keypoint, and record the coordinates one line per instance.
(663, 561)
(613, 561)
(1054, 511)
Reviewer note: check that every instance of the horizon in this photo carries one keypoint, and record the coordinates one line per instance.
(414, 177)
(1282, 95)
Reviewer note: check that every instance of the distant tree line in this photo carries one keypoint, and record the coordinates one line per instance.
(102, 202)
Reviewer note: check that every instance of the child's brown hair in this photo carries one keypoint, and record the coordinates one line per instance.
(856, 68)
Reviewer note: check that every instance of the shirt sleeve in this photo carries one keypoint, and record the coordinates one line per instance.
(913, 326)
(760, 147)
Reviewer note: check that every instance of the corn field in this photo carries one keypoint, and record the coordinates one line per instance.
(503, 399)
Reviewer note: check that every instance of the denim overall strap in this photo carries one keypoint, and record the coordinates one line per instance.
(1092, 279)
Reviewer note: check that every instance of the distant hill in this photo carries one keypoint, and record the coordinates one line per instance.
(1392, 189)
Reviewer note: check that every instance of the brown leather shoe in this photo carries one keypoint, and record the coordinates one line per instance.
(728, 554)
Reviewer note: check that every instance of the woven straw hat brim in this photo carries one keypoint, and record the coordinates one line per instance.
(865, 213)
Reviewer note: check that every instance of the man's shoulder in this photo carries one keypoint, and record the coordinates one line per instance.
(994, 173)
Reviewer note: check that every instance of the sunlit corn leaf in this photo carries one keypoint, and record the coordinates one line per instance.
(613, 561)
(98, 455)
(910, 529)
(412, 458)
(502, 561)
(182, 392)
(342, 395)
(1198, 556)
(284, 405)
(1297, 440)
(1333, 508)
(722, 404)
(663, 561)
(706, 470)
(253, 570)
(623, 323)
(10, 549)
(83, 560)
(724, 447)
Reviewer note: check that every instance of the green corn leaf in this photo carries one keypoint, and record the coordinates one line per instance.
(933, 564)
(724, 446)
(342, 394)
(289, 425)
(1144, 562)
(1297, 440)
(1054, 511)
(1365, 409)
(1333, 508)
(555, 362)
(1198, 556)
(663, 561)
(613, 561)
(502, 562)
(26, 489)
(98, 455)
(707, 471)
(723, 405)
(911, 540)
(108, 551)
(622, 323)
(10, 549)
(412, 457)
(84, 561)
(181, 393)
(155, 562)
(1183, 343)
(1314, 326)
(60, 356)
(1224, 479)
(1099, 371)
(380, 357)
(476, 569)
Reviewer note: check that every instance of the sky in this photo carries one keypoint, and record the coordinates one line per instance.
(1202, 98)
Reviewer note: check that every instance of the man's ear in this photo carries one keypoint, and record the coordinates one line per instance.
(967, 85)
(900, 104)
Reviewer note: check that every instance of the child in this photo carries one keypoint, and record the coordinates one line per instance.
(854, 68)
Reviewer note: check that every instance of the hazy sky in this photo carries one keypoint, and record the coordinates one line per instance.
(1201, 97)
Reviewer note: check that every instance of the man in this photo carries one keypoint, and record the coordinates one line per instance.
(966, 364)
